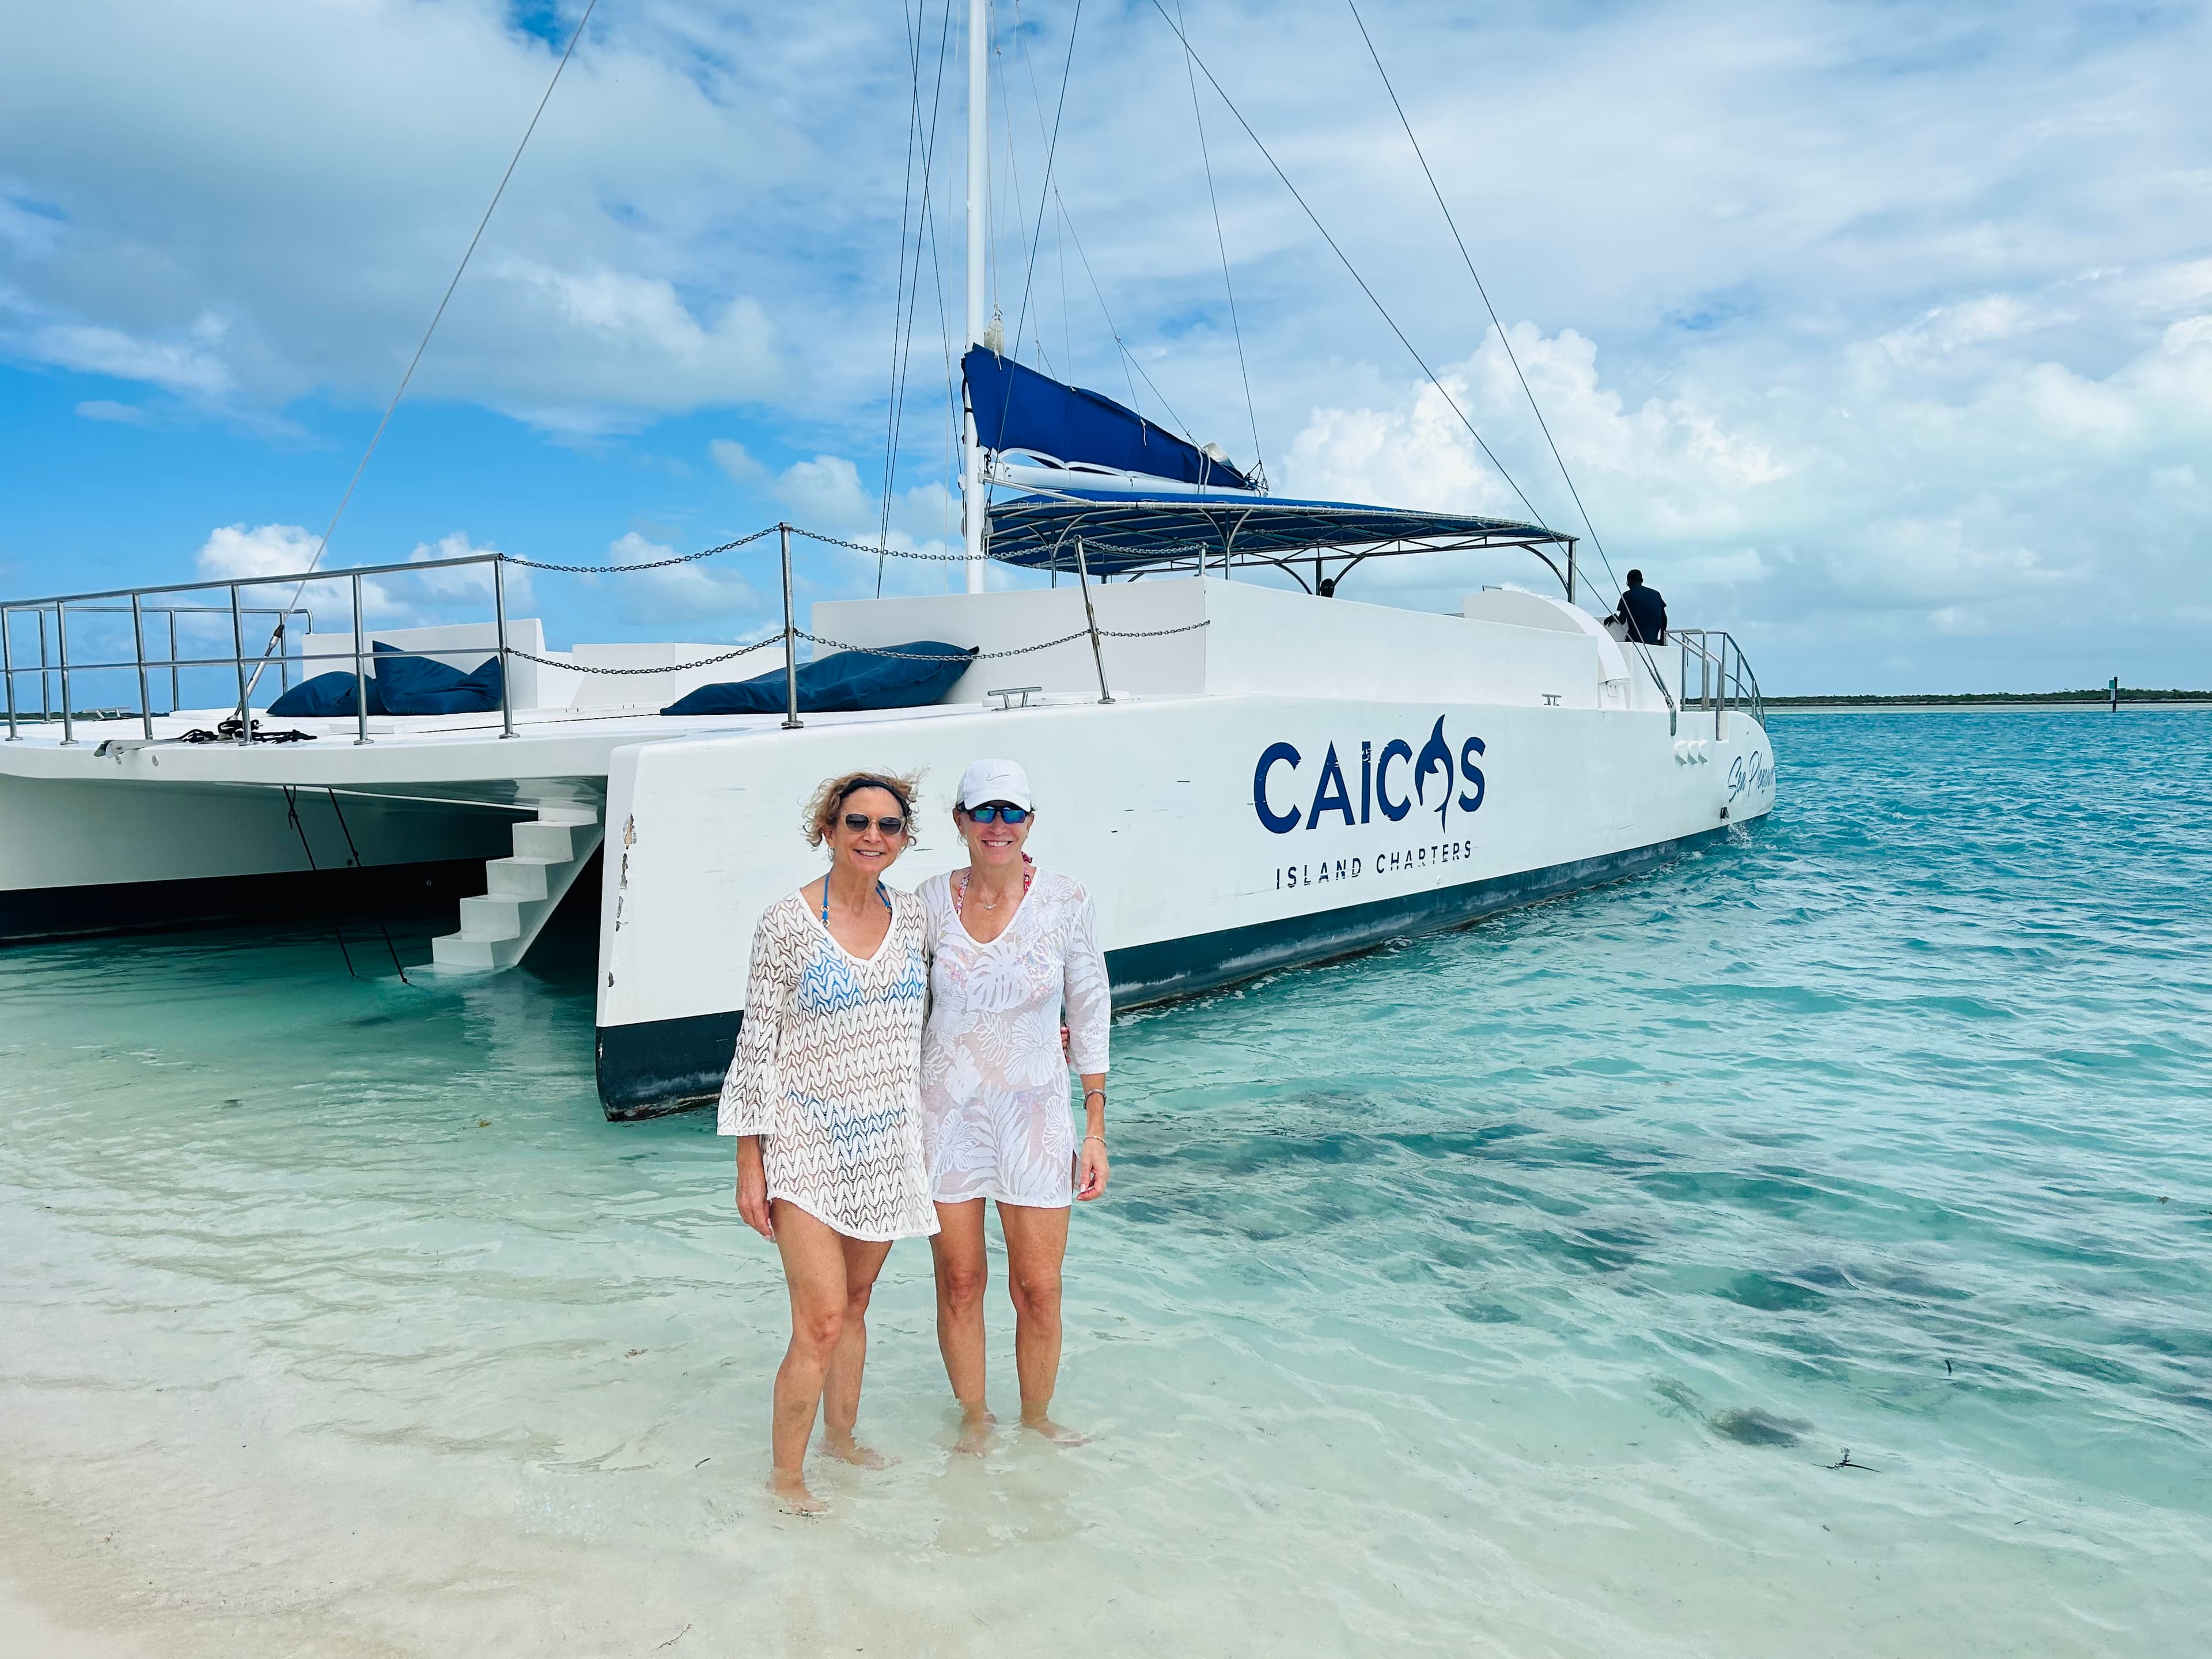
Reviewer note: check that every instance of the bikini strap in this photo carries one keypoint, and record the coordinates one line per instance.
(880, 894)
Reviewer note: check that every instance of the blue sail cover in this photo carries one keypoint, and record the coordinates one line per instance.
(1017, 408)
(1128, 531)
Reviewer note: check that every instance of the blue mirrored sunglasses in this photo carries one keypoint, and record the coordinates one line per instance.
(993, 812)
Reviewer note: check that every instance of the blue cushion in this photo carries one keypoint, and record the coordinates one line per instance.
(422, 685)
(324, 697)
(841, 683)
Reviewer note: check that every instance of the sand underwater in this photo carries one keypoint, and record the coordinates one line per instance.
(1515, 1292)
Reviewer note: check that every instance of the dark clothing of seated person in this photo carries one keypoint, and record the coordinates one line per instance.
(1642, 612)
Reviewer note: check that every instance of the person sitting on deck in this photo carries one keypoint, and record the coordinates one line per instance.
(1642, 612)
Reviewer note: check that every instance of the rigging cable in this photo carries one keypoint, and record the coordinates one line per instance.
(1236, 328)
(898, 287)
(1051, 150)
(1345, 260)
(1066, 223)
(903, 352)
(415, 361)
(1129, 359)
(1511, 357)
(952, 404)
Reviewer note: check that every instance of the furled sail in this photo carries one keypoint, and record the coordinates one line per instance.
(1018, 409)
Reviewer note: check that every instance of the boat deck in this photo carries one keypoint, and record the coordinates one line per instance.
(449, 756)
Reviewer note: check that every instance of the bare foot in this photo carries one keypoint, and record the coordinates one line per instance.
(976, 1433)
(1059, 1434)
(846, 1450)
(791, 1496)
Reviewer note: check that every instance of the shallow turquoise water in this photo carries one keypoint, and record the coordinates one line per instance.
(1513, 1292)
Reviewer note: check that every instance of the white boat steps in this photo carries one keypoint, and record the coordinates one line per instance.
(521, 891)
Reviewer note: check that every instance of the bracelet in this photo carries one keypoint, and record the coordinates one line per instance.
(1101, 1140)
(1101, 1093)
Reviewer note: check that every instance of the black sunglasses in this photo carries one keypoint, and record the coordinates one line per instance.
(857, 821)
(997, 811)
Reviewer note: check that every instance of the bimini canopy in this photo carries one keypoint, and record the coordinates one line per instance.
(1127, 532)
(1019, 409)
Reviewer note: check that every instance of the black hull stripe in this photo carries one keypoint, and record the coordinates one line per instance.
(662, 1066)
(305, 896)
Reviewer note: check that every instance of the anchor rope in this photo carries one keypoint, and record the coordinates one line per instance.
(292, 813)
(354, 859)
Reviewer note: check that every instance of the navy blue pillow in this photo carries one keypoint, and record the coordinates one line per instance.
(325, 696)
(423, 685)
(841, 683)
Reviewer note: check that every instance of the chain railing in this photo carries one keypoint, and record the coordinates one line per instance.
(1724, 679)
(56, 667)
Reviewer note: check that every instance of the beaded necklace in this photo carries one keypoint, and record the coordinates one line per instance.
(960, 893)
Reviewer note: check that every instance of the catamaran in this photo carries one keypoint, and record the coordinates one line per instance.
(1249, 768)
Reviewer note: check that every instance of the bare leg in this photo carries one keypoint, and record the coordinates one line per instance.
(814, 1275)
(841, 1392)
(1036, 1244)
(962, 1271)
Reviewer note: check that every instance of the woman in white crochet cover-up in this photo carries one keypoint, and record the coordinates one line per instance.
(1013, 949)
(822, 1097)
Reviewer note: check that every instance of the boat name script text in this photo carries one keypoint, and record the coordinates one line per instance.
(1454, 774)
(1753, 773)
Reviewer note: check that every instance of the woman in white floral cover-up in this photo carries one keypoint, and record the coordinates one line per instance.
(1014, 950)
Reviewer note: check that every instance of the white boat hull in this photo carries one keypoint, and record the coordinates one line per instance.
(1278, 779)
(1189, 818)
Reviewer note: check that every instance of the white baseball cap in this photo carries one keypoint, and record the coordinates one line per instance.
(994, 779)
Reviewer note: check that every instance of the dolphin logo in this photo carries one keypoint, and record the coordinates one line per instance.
(1436, 753)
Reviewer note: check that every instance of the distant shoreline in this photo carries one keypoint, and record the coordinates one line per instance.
(2098, 701)
(2125, 708)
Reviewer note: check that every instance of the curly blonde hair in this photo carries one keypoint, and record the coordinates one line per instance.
(823, 805)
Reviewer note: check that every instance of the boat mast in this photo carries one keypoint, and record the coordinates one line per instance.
(979, 190)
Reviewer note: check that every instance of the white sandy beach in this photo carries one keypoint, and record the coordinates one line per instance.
(26, 1632)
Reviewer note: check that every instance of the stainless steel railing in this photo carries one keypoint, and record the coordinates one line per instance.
(1724, 679)
(55, 667)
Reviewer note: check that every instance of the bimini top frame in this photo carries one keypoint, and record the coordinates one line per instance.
(1127, 532)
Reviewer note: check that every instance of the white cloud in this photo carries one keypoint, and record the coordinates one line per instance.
(103, 409)
(189, 366)
(466, 590)
(1848, 317)
(1674, 468)
(451, 594)
(1980, 321)
(826, 492)
(733, 458)
(287, 550)
(269, 549)
(683, 596)
(1930, 508)
(605, 291)
(630, 349)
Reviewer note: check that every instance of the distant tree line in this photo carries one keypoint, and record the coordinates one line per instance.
(1907, 700)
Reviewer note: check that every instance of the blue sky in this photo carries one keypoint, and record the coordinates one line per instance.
(1878, 334)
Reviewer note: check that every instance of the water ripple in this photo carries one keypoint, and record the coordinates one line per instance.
(1519, 1290)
